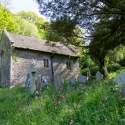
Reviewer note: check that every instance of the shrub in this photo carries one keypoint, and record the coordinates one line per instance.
(113, 67)
(122, 62)
(84, 71)
(86, 61)
(94, 70)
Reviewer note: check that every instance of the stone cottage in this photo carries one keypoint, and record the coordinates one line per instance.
(17, 52)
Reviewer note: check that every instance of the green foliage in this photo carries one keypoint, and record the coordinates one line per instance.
(94, 70)
(0, 78)
(113, 67)
(35, 20)
(24, 27)
(84, 71)
(65, 30)
(16, 24)
(122, 62)
(117, 54)
(86, 61)
(30, 17)
(15, 56)
(6, 19)
(113, 74)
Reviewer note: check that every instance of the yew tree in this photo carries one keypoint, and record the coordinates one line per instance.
(103, 21)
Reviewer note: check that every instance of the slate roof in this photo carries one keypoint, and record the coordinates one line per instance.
(31, 43)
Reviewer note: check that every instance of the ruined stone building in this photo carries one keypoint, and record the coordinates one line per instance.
(17, 52)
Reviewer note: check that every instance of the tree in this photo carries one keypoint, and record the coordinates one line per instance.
(86, 12)
(6, 3)
(24, 27)
(102, 19)
(36, 20)
(31, 17)
(65, 30)
(116, 54)
(15, 24)
(6, 19)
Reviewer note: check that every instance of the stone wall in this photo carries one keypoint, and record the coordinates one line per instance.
(23, 58)
(5, 55)
(22, 61)
(59, 66)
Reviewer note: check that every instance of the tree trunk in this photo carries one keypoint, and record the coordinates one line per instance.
(103, 68)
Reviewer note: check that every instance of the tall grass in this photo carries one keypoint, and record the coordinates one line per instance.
(91, 104)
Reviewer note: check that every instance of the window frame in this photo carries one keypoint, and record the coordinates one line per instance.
(46, 63)
(69, 65)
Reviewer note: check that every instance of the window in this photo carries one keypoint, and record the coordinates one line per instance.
(46, 63)
(2, 57)
(68, 65)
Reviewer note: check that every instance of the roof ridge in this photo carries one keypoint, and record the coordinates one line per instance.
(71, 49)
(26, 36)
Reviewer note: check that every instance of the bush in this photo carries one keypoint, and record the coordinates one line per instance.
(113, 67)
(84, 71)
(94, 70)
(122, 62)
(86, 61)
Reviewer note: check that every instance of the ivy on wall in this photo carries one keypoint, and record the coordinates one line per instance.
(15, 56)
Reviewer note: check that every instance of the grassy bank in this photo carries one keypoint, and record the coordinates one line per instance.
(92, 104)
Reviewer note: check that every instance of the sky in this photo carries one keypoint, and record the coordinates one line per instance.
(26, 5)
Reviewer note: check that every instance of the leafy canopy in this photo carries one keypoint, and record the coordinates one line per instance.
(103, 21)
(89, 14)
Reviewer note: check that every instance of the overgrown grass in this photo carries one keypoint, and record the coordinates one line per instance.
(91, 104)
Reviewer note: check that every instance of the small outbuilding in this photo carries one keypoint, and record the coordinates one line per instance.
(17, 52)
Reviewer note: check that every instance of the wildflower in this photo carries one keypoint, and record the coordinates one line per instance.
(120, 90)
(71, 122)
(55, 107)
(105, 97)
(66, 95)
(63, 97)
(57, 103)
(61, 89)
(100, 102)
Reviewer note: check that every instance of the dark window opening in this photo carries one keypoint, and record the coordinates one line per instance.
(2, 57)
(46, 63)
(68, 65)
